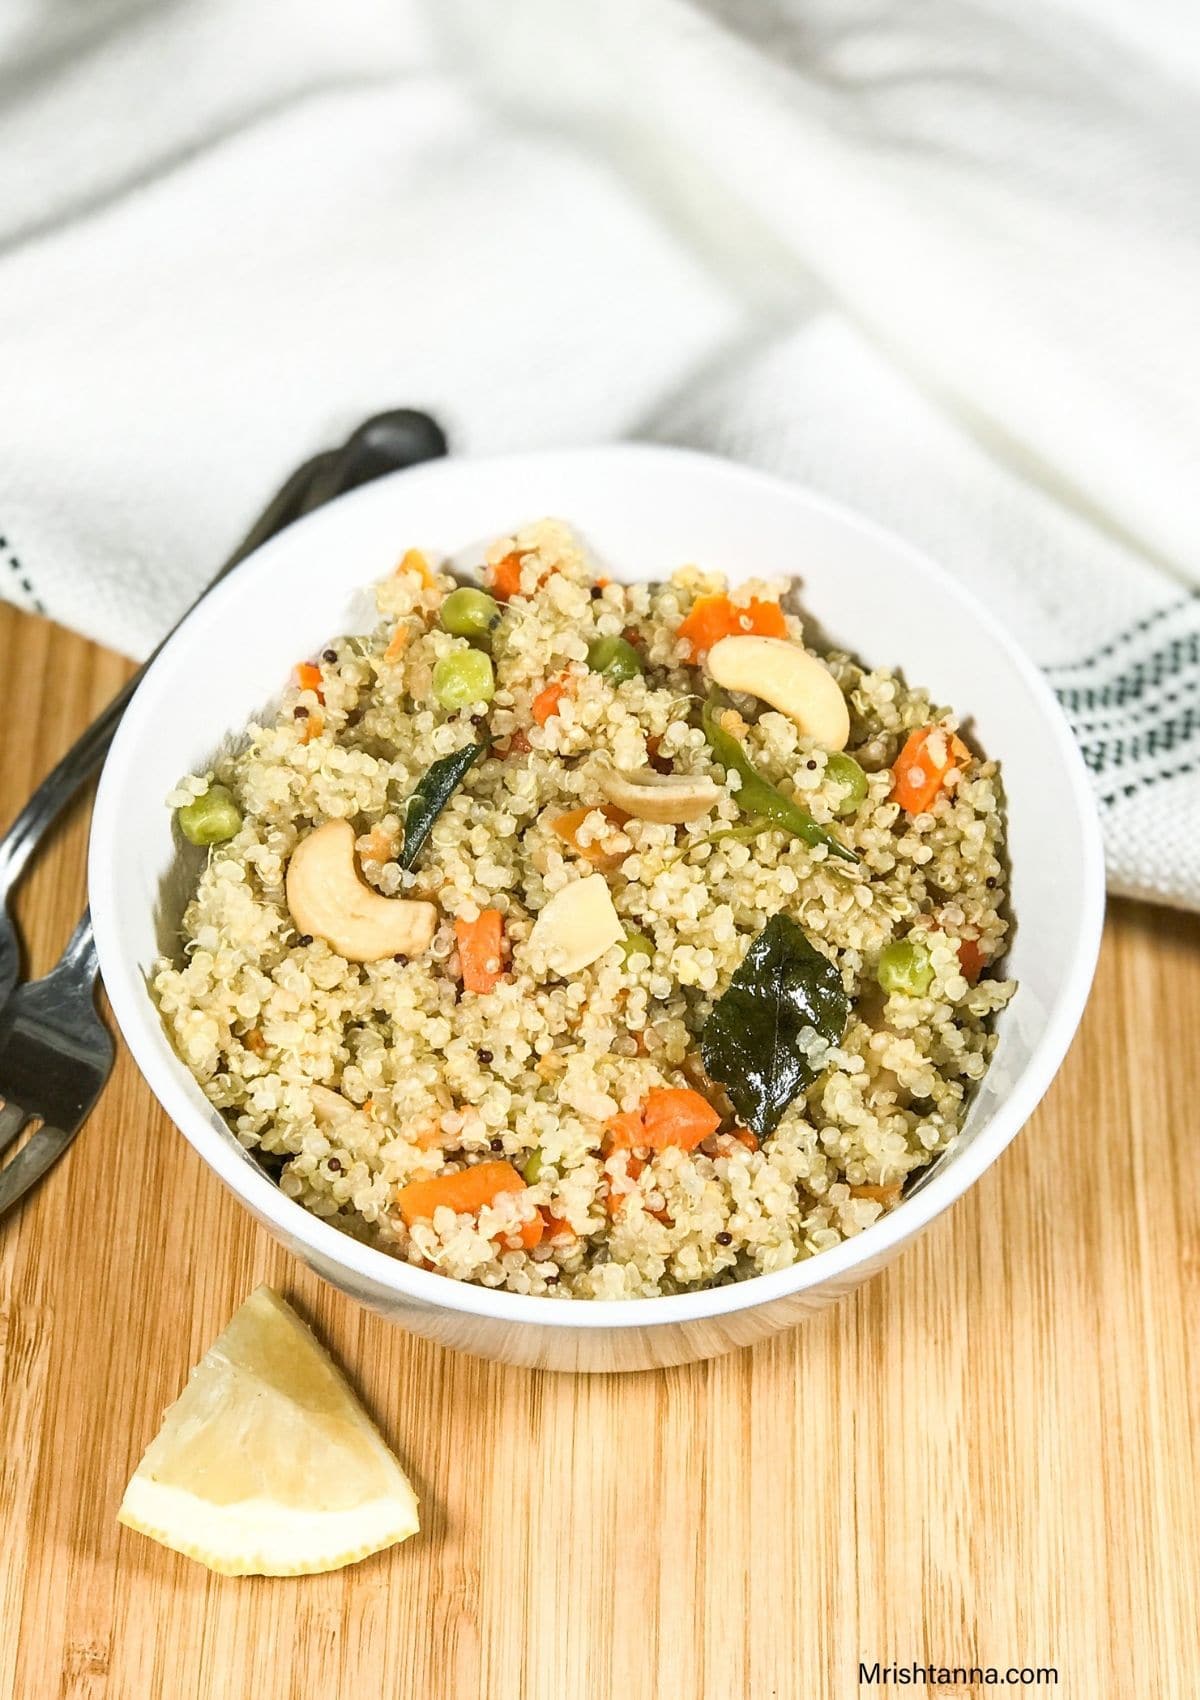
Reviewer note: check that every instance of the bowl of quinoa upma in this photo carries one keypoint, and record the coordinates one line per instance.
(594, 906)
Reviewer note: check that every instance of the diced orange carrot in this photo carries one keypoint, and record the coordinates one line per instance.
(675, 1115)
(927, 757)
(546, 702)
(625, 1131)
(312, 727)
(309, 678)
(971, 959)
(398, 643)
(746, 1138)
(714, 617)
(567, 828)
(603, 583)
(528, 1234)
(480, 950)
(505, 577)
(413, 561)
(669, 1115)
(558, 1231)
(466, 1193)
(886, 1195)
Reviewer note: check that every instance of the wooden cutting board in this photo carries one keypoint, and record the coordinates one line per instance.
(986, 1457)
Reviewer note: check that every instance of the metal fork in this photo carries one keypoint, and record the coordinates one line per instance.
(55, 1052)
(55, 1056)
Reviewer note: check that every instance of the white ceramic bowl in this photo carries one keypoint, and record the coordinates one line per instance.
(644, 511)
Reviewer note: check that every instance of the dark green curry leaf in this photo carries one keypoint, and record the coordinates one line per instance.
(757, 796)
(433, 791)
(751, 1042)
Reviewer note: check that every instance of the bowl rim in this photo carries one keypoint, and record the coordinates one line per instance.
(142, 1030)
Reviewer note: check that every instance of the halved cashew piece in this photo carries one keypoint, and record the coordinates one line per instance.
(787, 677)
(328, 1106)
(577, 925)
(328, 899)
(671, 799)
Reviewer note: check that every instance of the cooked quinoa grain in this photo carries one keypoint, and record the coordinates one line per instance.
(527, 1106)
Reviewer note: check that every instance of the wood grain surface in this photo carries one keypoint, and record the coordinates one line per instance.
(986, 1457)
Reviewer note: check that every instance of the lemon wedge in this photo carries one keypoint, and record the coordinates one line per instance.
(266, 1464)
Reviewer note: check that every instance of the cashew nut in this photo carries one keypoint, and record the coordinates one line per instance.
(328, 899)
(577, 925)
(328, 1106)
(787, 677)
(671, 799)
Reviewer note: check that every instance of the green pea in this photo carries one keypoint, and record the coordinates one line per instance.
(532, 1169)
(469, 613)
(614, 658)
(845, 771)
(637, 944)
(464, 678)
(210, 819)
(905, 967)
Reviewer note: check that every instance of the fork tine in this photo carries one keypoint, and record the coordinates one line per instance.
(31, 1163)
(12, 1120)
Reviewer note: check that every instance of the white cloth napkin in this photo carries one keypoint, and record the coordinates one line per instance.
(938, 258)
